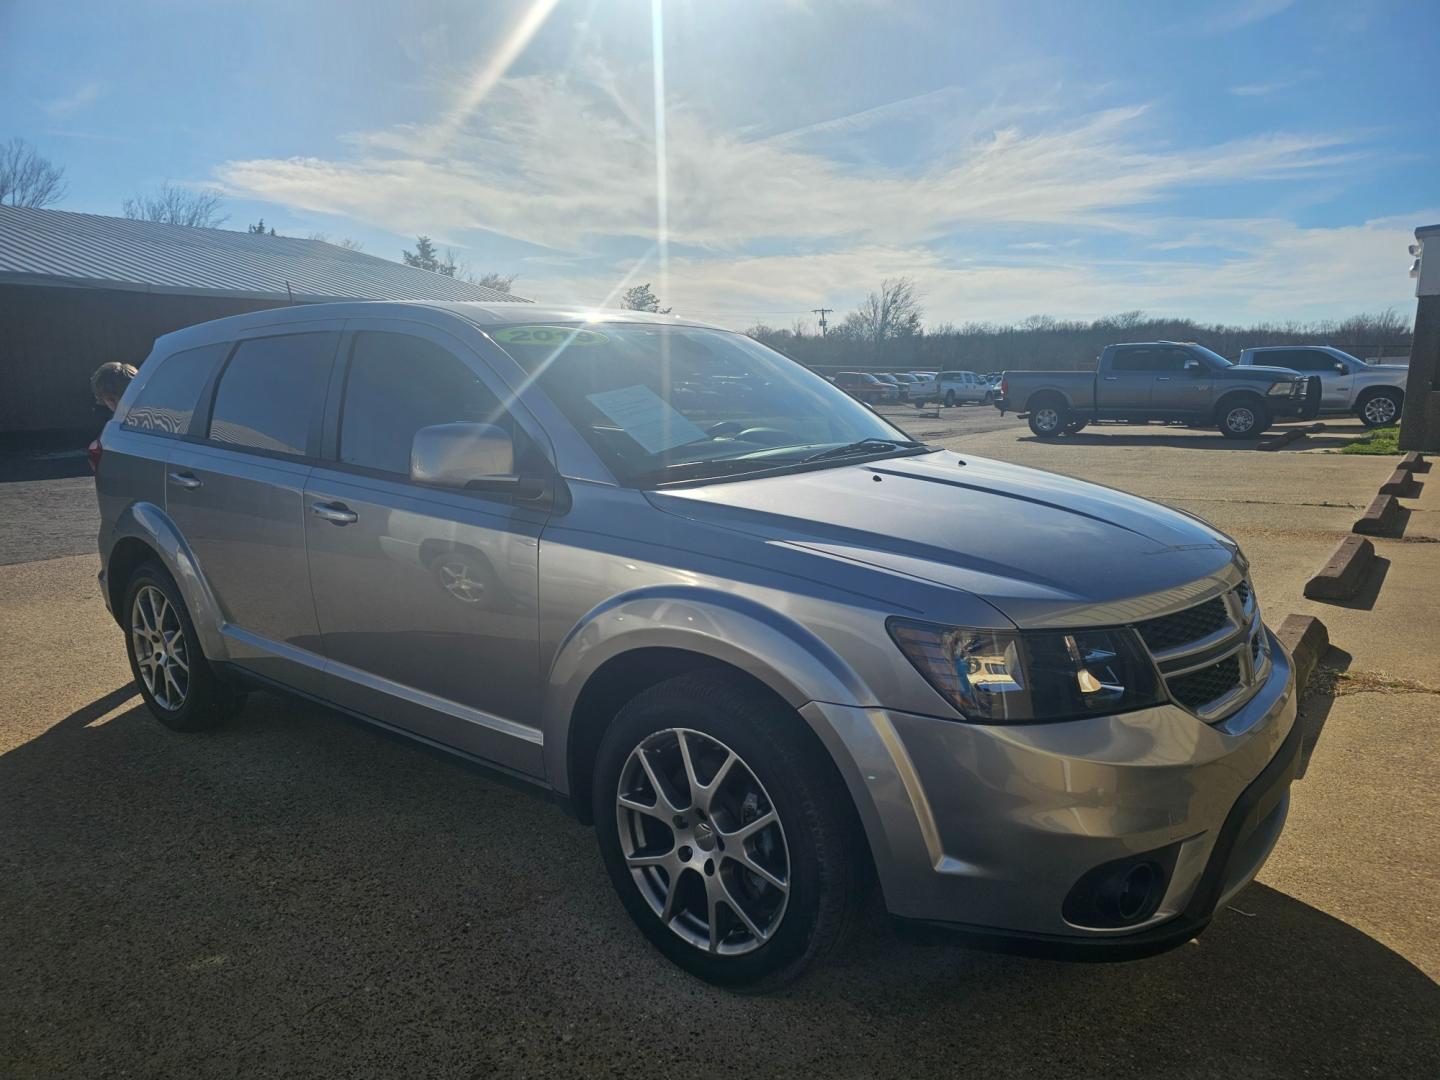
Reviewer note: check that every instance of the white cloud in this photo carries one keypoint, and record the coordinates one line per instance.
(1259, 89)
(82, 96)
(568, 163)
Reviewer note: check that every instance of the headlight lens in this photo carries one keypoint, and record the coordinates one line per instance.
(1283, 389)
(1031, 677)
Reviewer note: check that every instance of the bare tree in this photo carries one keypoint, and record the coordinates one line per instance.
(882, 317)
(342, 242)
(640, 298)
(177, 206)
(26, 178)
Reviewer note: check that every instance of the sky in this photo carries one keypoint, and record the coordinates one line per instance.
(1235, 162)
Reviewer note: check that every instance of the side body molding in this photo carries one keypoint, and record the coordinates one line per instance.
(147, 522)
(777, 651)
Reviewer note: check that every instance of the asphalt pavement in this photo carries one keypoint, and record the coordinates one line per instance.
(297, 895)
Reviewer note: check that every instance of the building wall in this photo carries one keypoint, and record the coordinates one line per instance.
(53, 339)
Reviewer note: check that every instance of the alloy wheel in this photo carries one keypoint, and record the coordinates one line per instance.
(1380, 410)
(160, 652)
(1047, 418)
(703, 841)
(1240, 419)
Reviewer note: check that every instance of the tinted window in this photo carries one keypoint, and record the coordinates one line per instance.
(270, 392)
(1149, 360)
(398, 384)
(168, 399)
(1299, 359)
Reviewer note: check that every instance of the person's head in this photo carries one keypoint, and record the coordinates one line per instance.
(109, 382)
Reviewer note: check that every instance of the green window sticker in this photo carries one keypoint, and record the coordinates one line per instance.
(549, 336)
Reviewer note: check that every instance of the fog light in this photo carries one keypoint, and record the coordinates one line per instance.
(1121, 893)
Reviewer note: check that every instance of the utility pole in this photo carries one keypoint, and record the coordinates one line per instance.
(822, 312)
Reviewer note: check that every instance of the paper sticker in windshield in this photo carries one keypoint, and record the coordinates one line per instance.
(549, 336)
(647, 418)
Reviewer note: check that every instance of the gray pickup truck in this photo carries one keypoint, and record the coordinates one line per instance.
(1373, 392)
(1159, 380)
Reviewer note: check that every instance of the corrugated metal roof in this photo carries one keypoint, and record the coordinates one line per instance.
(56, 247)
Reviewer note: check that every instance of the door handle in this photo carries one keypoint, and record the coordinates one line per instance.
(1112, 378)
(1162, 378)
(335, 513)
(186, 480)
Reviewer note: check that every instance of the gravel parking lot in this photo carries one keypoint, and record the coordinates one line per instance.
(298, 895)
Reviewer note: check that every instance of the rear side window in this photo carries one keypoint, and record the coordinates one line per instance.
(271, 392)
(1298, 359)
(1149, 360)
(398, 384)
(167, 402)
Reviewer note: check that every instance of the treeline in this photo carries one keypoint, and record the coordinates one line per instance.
(1044, 342)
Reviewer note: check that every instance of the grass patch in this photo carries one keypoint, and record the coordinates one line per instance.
(1337, 683)
(1383, 440)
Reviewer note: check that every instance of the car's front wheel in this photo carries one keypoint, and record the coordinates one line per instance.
(731, 842)
(1243, 418)
(174, 677)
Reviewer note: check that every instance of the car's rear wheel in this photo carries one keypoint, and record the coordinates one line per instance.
(949, 399)
(1048, 419)
(176, 681)
(1380, 408)
(1243, 418)
(732, 845)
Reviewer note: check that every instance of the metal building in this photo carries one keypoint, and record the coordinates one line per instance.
(77, 290)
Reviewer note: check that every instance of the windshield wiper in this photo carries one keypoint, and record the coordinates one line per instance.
(705, 469)
(863, 446)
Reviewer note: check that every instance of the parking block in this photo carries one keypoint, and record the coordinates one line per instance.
(1380, 518)
(1341, 577)
(1401, 484)
(1305, 639)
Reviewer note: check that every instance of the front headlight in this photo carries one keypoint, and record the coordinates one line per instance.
(1283, 389)
(994, 677)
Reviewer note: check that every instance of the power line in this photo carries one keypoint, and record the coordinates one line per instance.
(822, 312)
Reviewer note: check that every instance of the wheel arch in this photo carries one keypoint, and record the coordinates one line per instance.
(642, 639)
(1231, 398)
(1043, 396)
(142, 532)
(1370, 391)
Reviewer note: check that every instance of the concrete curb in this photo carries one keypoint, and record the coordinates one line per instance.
(1379, 519)
(1285, 438)
(1305, 639)
(1402, 483)
(1341, 577)
(1414, 462)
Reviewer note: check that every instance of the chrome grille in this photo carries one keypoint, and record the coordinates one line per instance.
(1211, 656)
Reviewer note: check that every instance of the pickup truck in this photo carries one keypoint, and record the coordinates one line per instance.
(1373, 392)
(1159, 380)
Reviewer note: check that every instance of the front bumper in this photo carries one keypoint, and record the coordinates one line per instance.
(981, 832)
(1305, 406)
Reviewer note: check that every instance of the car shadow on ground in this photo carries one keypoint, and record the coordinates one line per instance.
(293, 893)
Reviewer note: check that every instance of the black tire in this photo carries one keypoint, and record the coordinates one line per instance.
(1048, 418)
(1242, 417)
(1074, 427)
(818, 829)
(1380, 408)
(206, 700)
(949, 399)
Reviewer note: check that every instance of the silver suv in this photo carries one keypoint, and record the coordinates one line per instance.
(771, 647)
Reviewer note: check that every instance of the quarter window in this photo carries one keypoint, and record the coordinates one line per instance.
(167, 402)
(398, 384)
(271, 392)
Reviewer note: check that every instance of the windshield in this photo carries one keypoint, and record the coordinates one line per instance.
(1213, 356)
(667, 404)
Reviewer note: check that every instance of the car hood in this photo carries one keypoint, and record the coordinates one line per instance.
(1044, 549)
(1240, 371)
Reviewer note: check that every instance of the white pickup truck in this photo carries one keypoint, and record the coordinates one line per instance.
(1373, 392)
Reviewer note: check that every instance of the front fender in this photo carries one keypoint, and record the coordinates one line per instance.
(758, 640)
(149, 524)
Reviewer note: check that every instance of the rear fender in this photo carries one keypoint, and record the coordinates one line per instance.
(149, 524)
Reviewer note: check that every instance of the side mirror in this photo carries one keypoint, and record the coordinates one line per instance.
(1192, 365)
(1341, 368)
(470, 457)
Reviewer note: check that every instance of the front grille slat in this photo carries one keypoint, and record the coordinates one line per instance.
(1200, 688)
(1186, 637)
(1172, 631)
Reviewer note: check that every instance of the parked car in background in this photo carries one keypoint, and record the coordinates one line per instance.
(963, 388)
(770, 647)
(896, 391)
(862, 386)
(907, 384)
(923, 388)
(1159, 380)
(1373, 392)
